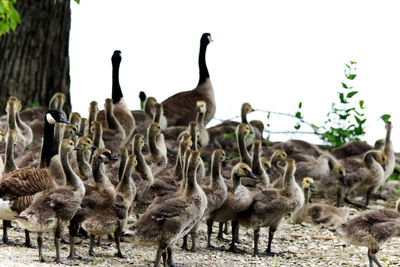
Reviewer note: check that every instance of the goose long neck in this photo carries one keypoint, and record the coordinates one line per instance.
(235, 181)
(122, 166)
(71, 178)
(49, 145)
(11, 119)
(97, 136)
(83, 165)
(200, 118)
(202, 64)
(191, 183)
(153, 148)
(289, 177)
(244, 154)
(116, 88)
(142, 166)
(256, 163)
(306, 190)
(388, 145)
(126, 184)
(9, 164)
(243, 115)
(215, 170)
(193, 133)
(112, 121)
(98, 174)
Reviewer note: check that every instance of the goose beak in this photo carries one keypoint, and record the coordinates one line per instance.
(270, 171)
(197, 109)
(77, 148)
(79, 134)
(21, 217)
(126, 234)
(112, 157)
(63, 120)
(251, 175)
(94, 147)
(163, 132)
(312, 186)
(343, 180)
(384, 167)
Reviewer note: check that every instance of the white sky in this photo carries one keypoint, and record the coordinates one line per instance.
(271, 54)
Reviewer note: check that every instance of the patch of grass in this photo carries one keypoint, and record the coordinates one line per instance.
(96, 261)
(321, 256)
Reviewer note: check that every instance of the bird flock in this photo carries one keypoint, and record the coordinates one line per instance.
(151, 176)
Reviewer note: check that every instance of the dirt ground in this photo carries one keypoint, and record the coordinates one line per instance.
(295, 245)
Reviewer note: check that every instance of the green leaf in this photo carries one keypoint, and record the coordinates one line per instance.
(297, 126)
(300, 104)
(298, 115)
(351, 76)
(353, 62)
(385, 117)
(349, 95)
(79, 1)
(362, 104)
(342, 100)
(344, 85)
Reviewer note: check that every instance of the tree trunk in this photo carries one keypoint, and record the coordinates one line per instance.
(34, 60)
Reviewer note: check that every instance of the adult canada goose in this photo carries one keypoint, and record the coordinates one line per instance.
(201, 108)
(120, 111)
(269, 207)
(165, 222)
(238, 200)
(51, 210)
(371, 229)
(114, 220)
(114, 134)
(366, 179)
(18, 187)
(144, 117)
(97, 198)
(179, 108)
(318, 213)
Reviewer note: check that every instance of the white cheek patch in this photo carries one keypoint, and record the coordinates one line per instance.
(50, 119)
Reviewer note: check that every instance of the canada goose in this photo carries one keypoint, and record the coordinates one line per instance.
(18, 187)
(97, 133)
(83, 127)
(142, 176)
(120, 112)
(25, 129)
(371, 229)
(51, 210)
(75, 119)
(84, 170)
(216, 192)
(114, 220)
(9, 163)
(262, 182)
(276, 177)
(12, 109)
(239, 199)
(157, 157)
(294, 146)
(269, 207)
(318, 213)
(258, 128)
(158, 115)
(97, 198)
(114, 135)
(193, 130)
(142, 97)
(179, 108)
(165, 222)
(366, 179)
(318, 168)
(57, 102)
(201, 108)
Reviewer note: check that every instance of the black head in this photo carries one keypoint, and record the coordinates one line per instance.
(142, 96)
(53, 116)
(116, 57)
(206, 38)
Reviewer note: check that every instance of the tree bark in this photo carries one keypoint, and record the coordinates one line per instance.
(34, 60)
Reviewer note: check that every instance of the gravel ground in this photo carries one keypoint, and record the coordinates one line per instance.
(296, 245)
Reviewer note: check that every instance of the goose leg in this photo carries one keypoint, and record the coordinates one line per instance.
(170, 262)
(369, 192)
(7, 224)
(118, 243)
(270, 237)
(73, 230)
(209, 232)
(220, 235)
(232, 247)
(256, 237)
(28, 242)
(57, 238)
(158, 256)
(91, 245)
(372, 258)
(193, 234)
(40, 247)
(184, 244)
(358, 205)
(226, 228)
